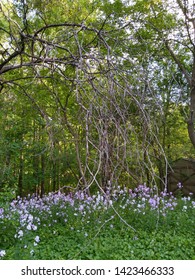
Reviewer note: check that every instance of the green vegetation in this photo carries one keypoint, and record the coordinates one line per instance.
(120, 225)
(95, 94)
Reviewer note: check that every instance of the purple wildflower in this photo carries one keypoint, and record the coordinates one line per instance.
(152, 202)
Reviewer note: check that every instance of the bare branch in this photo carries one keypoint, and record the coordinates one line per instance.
(178, 62)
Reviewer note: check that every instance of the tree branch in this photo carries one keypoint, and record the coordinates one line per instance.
(14, 54)
(178, 62)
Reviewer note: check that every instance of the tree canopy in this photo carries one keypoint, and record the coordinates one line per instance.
(94, 93)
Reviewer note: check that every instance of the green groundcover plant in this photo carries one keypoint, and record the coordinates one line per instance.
(119, 224)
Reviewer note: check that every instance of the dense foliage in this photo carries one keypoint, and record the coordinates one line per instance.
(94, 92)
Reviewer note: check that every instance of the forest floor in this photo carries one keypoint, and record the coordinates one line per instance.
(118, 225)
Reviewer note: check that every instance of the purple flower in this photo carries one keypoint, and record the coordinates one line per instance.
(81, 208)
(152, 202)
(169, 205)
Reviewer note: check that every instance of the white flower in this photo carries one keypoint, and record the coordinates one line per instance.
(20, 233)
(135, 238)
(37, 239)
(110, 202)
(34, 227)
(2, 253)
(30, 218)
(32, 252)
(29, 227)
(179, 185)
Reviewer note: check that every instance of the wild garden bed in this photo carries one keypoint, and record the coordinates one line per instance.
(119, 224)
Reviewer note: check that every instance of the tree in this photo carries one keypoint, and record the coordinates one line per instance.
(94, 89)
(173, 33)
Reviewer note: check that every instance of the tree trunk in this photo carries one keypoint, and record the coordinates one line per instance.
(20, 176)
(190, 122)
(42, 175)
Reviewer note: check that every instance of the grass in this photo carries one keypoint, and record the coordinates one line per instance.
(123, 224)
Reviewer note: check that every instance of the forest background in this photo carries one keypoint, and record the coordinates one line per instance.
(94, 93)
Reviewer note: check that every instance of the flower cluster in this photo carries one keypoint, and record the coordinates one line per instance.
(33, 213)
